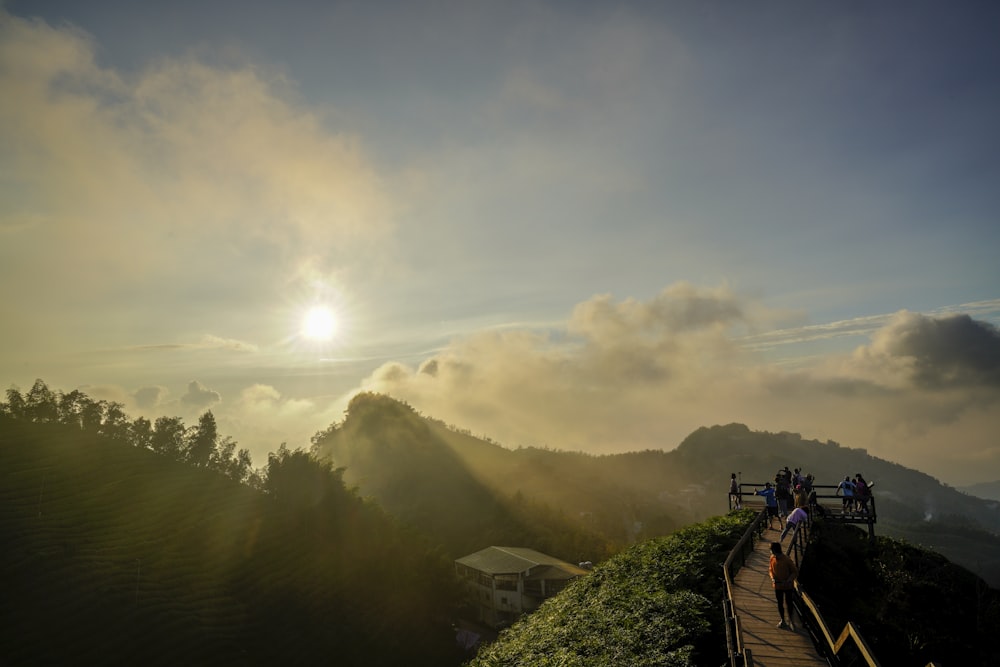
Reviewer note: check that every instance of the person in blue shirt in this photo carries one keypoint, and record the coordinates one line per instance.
(770, 503)
(847, 486)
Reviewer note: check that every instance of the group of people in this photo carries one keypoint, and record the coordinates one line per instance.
(788, 500)
(856, 494)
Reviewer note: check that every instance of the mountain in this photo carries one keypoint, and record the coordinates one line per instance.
(419, 469)
(118, 554)
(988, 490)
(450, 486)
(114, 554)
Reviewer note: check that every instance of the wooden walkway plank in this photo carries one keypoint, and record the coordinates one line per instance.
(754, 602)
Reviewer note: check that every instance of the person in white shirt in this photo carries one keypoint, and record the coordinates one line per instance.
(847, 486)
(792, 521)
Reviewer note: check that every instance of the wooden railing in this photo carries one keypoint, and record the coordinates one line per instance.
(826, 498)
(739, 654)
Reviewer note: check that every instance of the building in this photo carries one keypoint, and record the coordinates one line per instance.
(511, 581)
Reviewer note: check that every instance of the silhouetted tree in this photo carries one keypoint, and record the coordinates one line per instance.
(299, 478)
(202, 440)
(168, 437)
(233, 464)
(41, 404)
(14, 406)
(92, 415)
(71, 407)
(115, 424)
(141, 433)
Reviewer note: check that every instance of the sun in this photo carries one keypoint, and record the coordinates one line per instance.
(319, 323)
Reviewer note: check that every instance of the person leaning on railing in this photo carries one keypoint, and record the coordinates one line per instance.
(792, 521)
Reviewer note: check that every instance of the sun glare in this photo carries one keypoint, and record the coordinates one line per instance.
(319, 323)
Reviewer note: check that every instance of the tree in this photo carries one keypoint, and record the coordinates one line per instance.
(237, 467)
(41, 404)
(72, 407)
(115, 425)
(141, 433)
(15, 404)
(202, 440)
(92, 415)
(300, 479)
(168, 437)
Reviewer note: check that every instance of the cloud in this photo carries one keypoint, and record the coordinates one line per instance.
(937, 353)
(149, 398)
(199, 397)
(180, 181)
(631, 375)
(207, 342)
(261, 418)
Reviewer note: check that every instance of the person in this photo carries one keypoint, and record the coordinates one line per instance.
(814, 505)
(734, 493)
(861, 494)
(792, 521)
(771, 505)
(801, 496)
(783, 572)
(847, 486)
(782, 493)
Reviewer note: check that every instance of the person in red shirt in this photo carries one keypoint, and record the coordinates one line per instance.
(783, 572)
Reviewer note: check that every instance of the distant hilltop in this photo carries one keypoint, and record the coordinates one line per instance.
(987, 490)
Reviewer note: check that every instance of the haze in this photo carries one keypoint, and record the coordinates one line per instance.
(572, 225)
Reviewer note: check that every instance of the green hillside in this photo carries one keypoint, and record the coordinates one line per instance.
(913, 606)
(658, 603)
(118, 555)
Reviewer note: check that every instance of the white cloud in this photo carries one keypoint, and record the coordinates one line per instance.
(633, 375)
(178, 192)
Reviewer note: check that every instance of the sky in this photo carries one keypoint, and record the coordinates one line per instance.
(584, 226)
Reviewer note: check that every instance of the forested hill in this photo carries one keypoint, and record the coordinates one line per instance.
(420, 469)
(115, 554)
(128, 542)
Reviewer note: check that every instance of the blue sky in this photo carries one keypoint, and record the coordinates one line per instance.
(585, 226)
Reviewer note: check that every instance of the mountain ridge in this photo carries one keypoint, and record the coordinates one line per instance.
(637, 495)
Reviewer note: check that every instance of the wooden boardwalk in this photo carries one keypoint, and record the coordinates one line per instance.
(753, 599)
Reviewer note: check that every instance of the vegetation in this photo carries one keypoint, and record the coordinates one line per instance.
(412, 467)
(913, 606)
(582, 507)
(656, 604)
(118, 554)
(132, 541)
